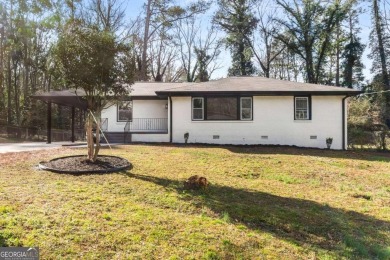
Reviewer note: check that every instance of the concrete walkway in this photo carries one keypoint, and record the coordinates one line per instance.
(26, 147)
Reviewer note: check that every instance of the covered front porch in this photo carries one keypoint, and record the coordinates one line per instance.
(137, 120)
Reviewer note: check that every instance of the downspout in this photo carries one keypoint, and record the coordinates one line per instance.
(170, 119)
(343, 121)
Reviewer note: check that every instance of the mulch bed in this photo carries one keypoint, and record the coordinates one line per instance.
(80, 164)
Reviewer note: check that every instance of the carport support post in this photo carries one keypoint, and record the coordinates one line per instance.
(49, 122)
(73, 114)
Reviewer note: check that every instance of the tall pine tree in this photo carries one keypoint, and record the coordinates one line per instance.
(237, 20)
(352, 65)
(380, 50)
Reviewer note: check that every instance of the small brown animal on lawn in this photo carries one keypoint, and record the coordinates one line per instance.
(196, 182)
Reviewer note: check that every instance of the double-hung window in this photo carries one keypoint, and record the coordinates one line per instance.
(125, 111)
(197, 108)
(302, 108)
(246, 108)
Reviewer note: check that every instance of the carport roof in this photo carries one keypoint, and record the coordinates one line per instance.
(70, 97)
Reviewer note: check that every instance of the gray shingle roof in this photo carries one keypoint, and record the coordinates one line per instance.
(256, 85)
(145, 89)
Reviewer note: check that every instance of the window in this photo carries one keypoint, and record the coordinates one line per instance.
(197, 108)
(125, 111)
(246, 108)
(222, 108)
(302, 108)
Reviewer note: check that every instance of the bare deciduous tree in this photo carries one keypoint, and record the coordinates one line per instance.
(264, 43)
(109, 14)
(163, 55)
(199, 51)
(160, 14)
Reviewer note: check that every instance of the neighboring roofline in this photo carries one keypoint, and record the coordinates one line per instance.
(158, 82)
(131, 97)
(258, 93)
(145, 97)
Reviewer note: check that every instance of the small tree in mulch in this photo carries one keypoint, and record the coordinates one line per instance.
(94, 61)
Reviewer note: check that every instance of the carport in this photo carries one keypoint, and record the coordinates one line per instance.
(73, 98)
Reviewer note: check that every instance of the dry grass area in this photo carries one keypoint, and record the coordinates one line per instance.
(263, 203)
(9, 140)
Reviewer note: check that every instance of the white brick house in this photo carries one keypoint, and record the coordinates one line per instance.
(236, 110)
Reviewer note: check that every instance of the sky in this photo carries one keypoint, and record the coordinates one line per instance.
(134, 8)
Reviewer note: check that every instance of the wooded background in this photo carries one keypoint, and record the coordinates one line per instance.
(301, 40)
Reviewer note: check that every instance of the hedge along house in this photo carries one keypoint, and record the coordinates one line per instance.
(235, 110)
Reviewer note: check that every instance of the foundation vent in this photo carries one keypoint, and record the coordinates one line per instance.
(264, 137)
(215, 136)
(313, 137)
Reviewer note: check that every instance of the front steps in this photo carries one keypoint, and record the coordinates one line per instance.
(116, 137)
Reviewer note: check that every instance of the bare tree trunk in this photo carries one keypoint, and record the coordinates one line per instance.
(144, 62)
(348, 73)
(309, 66)
(242, 59)
(382, 54)
(9, 84)
(268, 57)
(93, 144)
(338, 54)
(90, 141)
(2, 100)
(26, 76)
(97, 145)
(16, 93)
(378, 27)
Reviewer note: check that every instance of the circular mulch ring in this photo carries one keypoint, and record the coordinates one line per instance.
(79, 164)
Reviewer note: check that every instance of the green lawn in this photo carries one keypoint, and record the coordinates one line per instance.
(263, 203)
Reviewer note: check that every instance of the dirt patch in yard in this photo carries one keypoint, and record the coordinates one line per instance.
(78, 164)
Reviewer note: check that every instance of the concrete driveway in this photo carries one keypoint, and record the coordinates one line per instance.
(26, 147)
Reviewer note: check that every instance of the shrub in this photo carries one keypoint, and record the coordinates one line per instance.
(363, 124)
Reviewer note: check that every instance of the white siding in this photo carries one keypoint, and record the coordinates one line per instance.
(273, 117)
